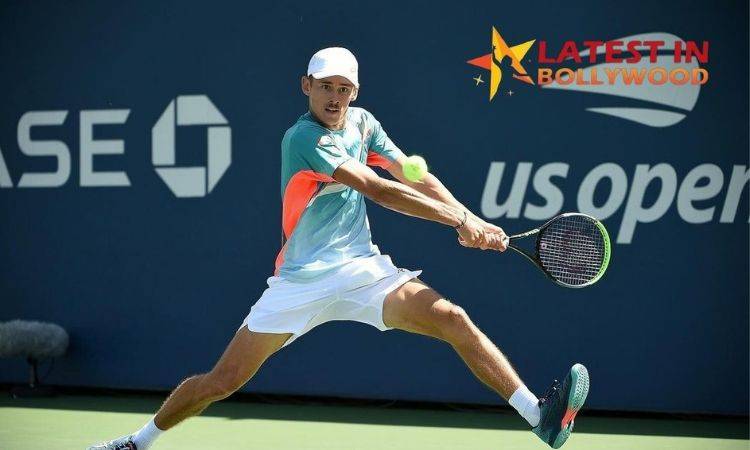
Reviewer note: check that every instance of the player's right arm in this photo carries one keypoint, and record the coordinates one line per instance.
(406, 200)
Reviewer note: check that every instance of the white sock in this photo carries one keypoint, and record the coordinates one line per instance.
(526, 404)
(147, 435)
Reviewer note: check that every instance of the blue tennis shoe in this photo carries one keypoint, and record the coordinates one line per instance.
(559, 406)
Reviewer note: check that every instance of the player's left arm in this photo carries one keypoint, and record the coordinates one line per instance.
(432, 187)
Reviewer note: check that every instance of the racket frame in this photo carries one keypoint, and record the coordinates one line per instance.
(534, 259)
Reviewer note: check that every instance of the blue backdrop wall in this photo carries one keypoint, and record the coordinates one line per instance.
(151, 284)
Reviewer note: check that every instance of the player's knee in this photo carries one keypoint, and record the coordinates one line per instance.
(454, 322)
(222, 382)
(458, 317)
(458, 314)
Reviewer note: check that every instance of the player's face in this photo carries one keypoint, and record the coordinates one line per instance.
(329, 99)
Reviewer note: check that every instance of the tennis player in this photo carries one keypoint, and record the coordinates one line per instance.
(329, 269)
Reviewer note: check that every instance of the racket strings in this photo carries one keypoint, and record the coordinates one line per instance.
(571, 249)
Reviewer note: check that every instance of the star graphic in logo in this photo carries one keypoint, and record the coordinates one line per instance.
(495, 62)
(478, 79)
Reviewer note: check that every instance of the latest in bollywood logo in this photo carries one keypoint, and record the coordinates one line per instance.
(621, 61)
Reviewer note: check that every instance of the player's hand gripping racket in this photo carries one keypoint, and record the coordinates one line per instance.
(572, 249)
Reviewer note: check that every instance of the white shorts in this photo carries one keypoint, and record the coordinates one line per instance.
(354, 292)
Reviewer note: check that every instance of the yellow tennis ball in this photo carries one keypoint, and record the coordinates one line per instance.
(415, 168)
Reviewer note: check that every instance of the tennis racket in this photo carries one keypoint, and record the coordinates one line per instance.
(572, 249)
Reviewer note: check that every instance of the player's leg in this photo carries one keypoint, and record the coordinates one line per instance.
(242, 358)
(417, 308)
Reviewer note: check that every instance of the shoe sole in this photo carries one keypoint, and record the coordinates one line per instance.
(576, 398)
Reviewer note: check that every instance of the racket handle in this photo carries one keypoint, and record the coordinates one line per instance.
(506, 240)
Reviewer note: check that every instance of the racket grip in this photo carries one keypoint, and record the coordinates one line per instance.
(506, 240)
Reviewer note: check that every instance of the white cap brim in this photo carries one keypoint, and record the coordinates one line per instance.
(333, 73)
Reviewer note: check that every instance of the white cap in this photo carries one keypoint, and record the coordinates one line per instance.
(334, 61)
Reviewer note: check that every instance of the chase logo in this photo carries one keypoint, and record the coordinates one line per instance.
(191, 110)
(659, 74)
(186, 110)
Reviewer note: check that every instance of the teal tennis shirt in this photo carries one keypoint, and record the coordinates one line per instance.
(325, 223)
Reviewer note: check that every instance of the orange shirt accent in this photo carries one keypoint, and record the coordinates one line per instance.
(375, 159)
(299, 190)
